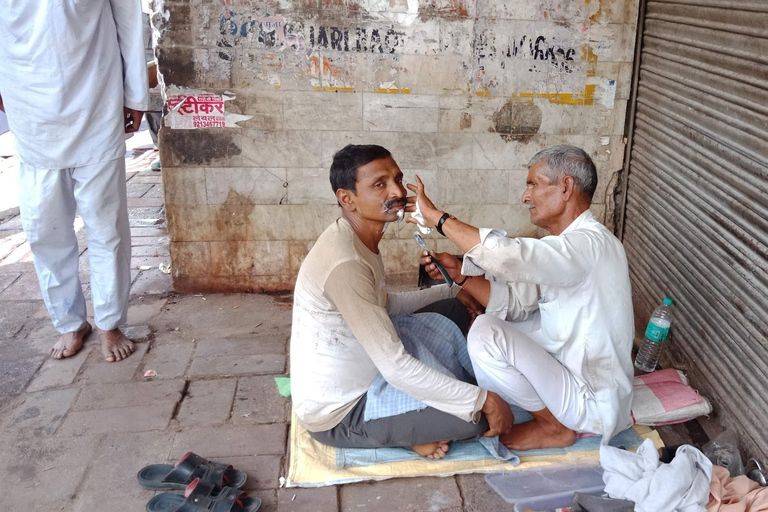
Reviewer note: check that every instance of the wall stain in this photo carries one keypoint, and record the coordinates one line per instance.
(199, 146)
(517, 121)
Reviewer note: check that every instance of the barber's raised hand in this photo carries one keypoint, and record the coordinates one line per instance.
(499, 415)
(428, 210)
(450, 263)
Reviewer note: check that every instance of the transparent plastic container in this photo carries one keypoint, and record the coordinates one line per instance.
(540, 485)
(552, 502)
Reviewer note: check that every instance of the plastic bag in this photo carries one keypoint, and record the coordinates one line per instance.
(724, 451)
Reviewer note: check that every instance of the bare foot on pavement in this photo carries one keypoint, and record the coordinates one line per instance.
(70, 343)
(435, 451)
(114, 345)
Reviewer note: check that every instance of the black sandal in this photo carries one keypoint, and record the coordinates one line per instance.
(201, 496)
(189, 467)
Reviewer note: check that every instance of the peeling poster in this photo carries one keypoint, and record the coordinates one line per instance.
(191, 110)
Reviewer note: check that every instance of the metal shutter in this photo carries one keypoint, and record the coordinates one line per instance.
(695, 217)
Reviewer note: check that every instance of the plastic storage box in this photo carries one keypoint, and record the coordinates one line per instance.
(547, 487)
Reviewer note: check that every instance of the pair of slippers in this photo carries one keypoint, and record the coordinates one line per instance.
(208, 486)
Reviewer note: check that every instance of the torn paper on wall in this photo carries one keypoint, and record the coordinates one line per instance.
(192, 110)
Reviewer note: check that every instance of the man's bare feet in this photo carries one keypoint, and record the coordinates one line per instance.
(435, 451)
(545, 431)
(70, 343)
(114, 345)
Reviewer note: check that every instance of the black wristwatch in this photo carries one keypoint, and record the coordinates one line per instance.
(442, 220)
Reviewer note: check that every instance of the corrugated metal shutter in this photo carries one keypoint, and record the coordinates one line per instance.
(695, 224)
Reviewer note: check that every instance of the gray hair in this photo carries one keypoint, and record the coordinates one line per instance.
(564, 160)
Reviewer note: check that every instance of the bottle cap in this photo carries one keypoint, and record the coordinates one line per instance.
(668, 301)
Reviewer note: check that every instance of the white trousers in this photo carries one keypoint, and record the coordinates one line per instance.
(48, 201)
(509, 362)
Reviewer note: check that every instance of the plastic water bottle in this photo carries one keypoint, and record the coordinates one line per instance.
(655, 335)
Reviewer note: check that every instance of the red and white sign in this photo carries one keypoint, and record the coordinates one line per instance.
(192, 111)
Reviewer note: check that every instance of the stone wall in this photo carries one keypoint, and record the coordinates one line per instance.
(262, 93)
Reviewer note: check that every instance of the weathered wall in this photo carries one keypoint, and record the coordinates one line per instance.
(462, 92)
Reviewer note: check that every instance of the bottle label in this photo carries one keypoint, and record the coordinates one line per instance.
(656, 333)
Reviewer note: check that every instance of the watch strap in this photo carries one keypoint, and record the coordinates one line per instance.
(442, 220)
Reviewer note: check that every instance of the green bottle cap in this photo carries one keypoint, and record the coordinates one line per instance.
(668, 301)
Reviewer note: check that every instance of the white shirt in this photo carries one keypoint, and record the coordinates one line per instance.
(581, 281)
(68, 68)
(342, 336)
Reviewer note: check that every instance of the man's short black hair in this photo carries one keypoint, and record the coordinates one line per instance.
(348, 159)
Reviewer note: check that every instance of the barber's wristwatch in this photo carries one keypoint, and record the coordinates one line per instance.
(442, 220)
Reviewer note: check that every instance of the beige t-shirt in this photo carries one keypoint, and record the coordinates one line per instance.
(342, 336)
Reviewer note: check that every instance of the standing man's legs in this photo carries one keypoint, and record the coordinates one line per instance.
(100, 192)
(507, 361)
(47, 206)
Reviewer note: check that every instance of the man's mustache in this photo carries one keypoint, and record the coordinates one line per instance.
(398, 201)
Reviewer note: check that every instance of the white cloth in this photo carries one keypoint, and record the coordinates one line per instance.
(680, 486)
(68, 68)
(507, 361)
(49, 198)
(342, 336)
(585, 308)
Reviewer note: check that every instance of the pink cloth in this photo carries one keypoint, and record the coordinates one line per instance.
(664, 397)
(737, 494)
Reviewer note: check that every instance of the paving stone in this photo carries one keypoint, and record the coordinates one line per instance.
(124, 419)
(268, 500)
(155, 178)
(256, 345)
(26, 287)
(152, 212)
(207, 403)
(478, 495)
(400, 494)
(230, 441)
(134, 202)
(15, 375)
(148, 231)
(143, 241)
(237, 365)
(137, 333)
(322, 499)
(142, 309)
(47, 469)
(119, 458)
(169, 361)
(98, 370)
(111, 501)
(156, 191)
(42, 413)
(148, 261)
(59, 372)
(135, 189)
(152, 281)
(156, 250)
(7, 278)
(257, 401)
(263, 470)
(14, 315)
(129, 394)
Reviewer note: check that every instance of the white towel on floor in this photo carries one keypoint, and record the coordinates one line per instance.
(680, 486)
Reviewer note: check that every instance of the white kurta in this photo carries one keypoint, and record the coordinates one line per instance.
(68, 68)
(584, 318)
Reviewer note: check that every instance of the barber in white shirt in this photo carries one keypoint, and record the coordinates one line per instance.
(73, 81)
(557, 334)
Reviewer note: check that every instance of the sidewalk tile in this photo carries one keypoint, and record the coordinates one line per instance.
(98, 370)
(135, 189)
(207, 403)
(156, 191)
(478, 496)
(26, 287)
(148, 261)
(140, 202)
(169, 361)
(143, 241)
(321, 499)
(268, 500)
(402, 494)
(257, 345)
(155, 178)
(102, 501)
(42, 413)
(124, 419)
(257, 401)
(229, 441)
(59, 372)
(15, 375)
(149, 231)
(237, 365)
(13, 316)
(157, 250)
(129, 394)
(7, 278)
(152, 281)
(120, 457)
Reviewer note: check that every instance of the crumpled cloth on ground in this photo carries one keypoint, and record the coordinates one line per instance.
(680, 486)
(436, 341)
(737, 494)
